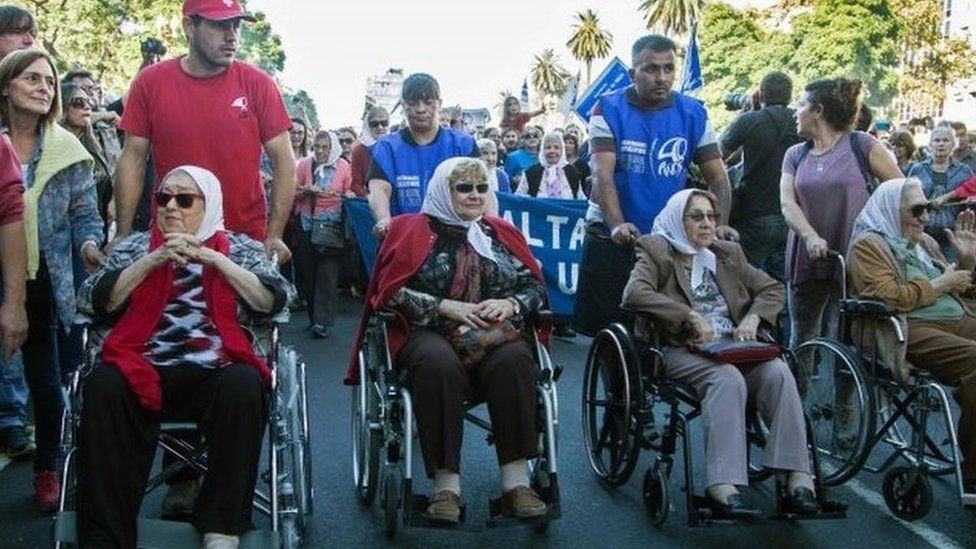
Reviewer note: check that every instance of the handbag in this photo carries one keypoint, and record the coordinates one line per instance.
(741, 353)
(329, 232)
(473, 344)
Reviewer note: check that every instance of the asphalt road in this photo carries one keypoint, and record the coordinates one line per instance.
(593, 515)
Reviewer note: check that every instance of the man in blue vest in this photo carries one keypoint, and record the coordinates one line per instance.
(643, 139)
(403, 162)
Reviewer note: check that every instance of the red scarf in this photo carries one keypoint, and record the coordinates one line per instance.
(126, 344)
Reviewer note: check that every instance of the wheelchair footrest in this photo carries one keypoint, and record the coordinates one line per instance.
(968, 500)
(415, 516)
(161, 533)
(829, 509)
(497, 519)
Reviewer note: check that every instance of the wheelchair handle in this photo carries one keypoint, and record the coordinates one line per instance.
(842, 262)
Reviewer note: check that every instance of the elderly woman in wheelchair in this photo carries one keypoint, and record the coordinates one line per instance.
(892, 260)
(461, 286)
(177, 352)
(696, 291)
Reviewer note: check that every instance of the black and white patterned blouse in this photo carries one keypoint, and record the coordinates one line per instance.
(506, 277)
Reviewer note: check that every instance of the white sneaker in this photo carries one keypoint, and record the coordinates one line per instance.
(219, 541)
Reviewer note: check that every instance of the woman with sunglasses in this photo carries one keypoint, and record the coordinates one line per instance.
(376, 125)
(450, 272)
(61, 222)
(696, 290)
(177, 352)
(76, 108)
(893, 260)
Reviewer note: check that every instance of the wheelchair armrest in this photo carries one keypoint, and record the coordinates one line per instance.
(867, 308)
(540, 316)
(386, 317)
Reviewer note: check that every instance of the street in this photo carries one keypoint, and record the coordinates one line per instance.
(593, 515)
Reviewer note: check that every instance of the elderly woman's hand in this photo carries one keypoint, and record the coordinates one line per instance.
(963, 237)
(746, 330)
(92, 256)
(703, 333)
(496, 310)
(465, 313)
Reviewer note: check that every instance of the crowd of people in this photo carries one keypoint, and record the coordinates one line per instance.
(197, 191)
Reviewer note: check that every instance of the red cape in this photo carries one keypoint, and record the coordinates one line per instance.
(407, 245)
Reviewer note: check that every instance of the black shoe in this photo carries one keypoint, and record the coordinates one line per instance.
(802, 501)
(15, 443)
(734, 508)
(321, 332)
(563, 331)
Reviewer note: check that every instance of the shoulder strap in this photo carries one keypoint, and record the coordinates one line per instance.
(804, 151)
(862, 161)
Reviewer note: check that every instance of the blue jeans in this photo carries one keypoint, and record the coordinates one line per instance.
(13, 392)
(763, 239)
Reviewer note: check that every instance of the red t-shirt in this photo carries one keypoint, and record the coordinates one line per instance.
(517, 122)
(11, 184)
(219, 123)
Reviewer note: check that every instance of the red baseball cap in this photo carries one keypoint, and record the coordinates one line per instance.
(216, 10)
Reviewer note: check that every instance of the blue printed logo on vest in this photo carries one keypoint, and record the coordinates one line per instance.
(671, 157)
(632, 156)
(408, 190)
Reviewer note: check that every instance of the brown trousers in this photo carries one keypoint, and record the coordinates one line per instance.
(947, 349)
(440, 385)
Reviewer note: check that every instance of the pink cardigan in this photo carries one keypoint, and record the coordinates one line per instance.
(341, 183)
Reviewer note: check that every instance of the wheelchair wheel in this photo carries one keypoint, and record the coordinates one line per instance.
(391, 501)
(612, 389)
(838, 402)
(939, 460)
(366, 434)
(656, 497)
(907, 492)
(294, 482)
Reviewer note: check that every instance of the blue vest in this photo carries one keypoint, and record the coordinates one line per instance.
(655, 148)
(409, 166)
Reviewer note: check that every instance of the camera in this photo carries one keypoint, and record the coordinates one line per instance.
(736, 101)
(153, 46)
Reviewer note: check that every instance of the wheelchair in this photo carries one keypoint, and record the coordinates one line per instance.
(856, 404)
(629, 405)
(284, 490)
(384, 434)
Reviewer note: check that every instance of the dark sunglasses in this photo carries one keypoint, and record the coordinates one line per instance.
(698, 217)
(345, 141)
(79, 103)
(464, 188)
(918, 210)
(379, 123)
(531, 136)
(183, 200)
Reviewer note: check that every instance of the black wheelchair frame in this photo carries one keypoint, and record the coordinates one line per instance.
(383, 432)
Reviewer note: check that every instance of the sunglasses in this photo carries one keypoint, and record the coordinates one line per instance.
(465, 188)
(79, 103)
(698, 217)
(918, 210)
(345, 141)
(531, 136)
(379, 123)
(183, 200)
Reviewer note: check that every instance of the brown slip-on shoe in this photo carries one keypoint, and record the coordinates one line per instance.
(523, 502)
(444, 507)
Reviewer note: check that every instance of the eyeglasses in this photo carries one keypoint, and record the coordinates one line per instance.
(79, 103)
(465, 188)
(918, 210)
(379, 123)
(299, 131)
(698, 217)
(531, 136)
(183, 200)
(345, 141)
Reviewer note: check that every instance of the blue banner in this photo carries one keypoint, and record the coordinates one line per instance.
(613, 78)
(691, 81)
(553, 228)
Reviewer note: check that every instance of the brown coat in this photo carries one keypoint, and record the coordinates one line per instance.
(659, 289)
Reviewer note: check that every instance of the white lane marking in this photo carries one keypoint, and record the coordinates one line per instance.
(932, 537)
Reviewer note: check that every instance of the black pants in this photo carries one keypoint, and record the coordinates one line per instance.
(604, 271)
(118, 439)
(505, 379)
(321, 275)
(42, 372)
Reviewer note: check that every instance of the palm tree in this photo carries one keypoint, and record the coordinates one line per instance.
(548, 76)
(589, 41)
(672, 16)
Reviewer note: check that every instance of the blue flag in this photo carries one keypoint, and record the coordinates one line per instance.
(613, 78)
(691, 79)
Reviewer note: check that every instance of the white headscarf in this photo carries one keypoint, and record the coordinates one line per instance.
(670, 224)
(213, 206)
(554, 183)
(438, 203)
(335, 151)
(882, 214)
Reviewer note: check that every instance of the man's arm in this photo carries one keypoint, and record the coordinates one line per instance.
(282, 187)
(380, 192)
(718, 184)
(129, 177)
(622, 232)
(13, 262)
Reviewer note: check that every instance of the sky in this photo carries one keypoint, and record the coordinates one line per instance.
(474, 49)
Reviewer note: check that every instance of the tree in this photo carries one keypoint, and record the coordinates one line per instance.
(261, 46)
(673, 17)
(547, 75)
(589, 41)
(301, 105)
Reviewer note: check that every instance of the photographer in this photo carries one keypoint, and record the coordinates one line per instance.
(762, 132)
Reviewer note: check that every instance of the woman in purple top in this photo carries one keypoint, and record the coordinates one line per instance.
(824, 186)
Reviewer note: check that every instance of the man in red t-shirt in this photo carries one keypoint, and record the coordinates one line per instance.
(208, 110)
